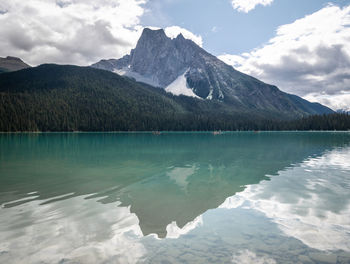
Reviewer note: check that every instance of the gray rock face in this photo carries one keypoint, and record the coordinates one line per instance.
(160, 60)
(12, 64)
(156, 57)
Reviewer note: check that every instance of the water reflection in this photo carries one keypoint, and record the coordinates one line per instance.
(247, 257)
(301, 215)
(310, 202)
(70, 231)
(111, 198)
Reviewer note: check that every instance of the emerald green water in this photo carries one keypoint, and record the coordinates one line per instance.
(273, 197)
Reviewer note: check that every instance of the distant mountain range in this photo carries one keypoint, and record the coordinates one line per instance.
(9, 64)
(182, 67)
(168, 84)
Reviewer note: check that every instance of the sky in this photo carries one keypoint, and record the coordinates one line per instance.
(302, 46)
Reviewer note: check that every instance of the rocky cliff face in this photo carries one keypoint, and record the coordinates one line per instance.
(181, 67)
(156, 57)
(12, 64)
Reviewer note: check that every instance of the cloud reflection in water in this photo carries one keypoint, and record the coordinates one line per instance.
(310, 202)
(76, 230)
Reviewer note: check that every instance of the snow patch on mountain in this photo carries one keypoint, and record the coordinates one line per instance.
(126, 71)
(210, 95)
(180, 87)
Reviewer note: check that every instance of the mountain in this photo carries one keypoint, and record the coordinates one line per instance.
(181, 67)
(9, 64)
(71, 98)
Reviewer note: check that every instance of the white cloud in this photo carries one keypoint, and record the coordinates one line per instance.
(248, 5)
(309, 57)
(174, 31)
(339, 101)
(73, 31)
(69, 31)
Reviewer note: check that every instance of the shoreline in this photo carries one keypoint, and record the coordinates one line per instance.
(159, 132)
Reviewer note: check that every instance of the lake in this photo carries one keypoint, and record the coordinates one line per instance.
(240, 197)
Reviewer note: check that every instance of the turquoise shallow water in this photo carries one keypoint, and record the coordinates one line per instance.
(272, 197)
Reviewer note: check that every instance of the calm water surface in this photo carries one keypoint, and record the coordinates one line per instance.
(175, 198)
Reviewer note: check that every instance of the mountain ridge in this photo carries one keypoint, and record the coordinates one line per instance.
(159, 61)
(71, 98)
(11, 63)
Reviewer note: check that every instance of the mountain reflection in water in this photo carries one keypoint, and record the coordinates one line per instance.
(93, 197)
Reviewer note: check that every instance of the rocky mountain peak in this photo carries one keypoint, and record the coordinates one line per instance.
(151, 38)
(180, 36)
(158, 59)
(11, 63)
(150, 33)
(182, 67)
(13, 58)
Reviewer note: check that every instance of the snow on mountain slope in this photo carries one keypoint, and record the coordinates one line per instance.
(180, 87)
